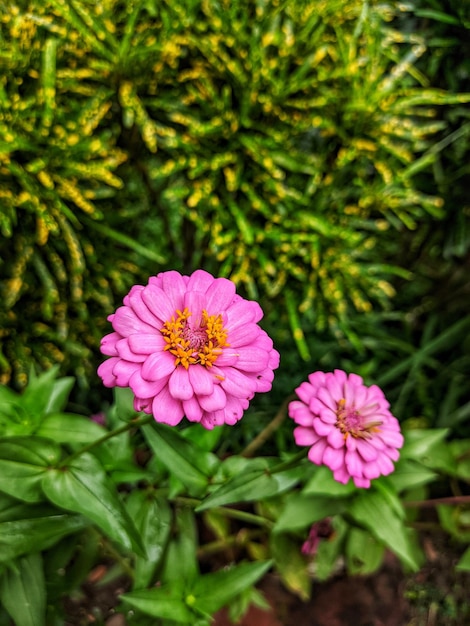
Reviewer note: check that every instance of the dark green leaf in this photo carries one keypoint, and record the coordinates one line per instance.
(37, 530)
(70, 428)
(300, 511)
(373, 511)
(23, 591)
(152, 517)
(290, 564)
(164, 602)
(363, 552)
(192, 465)
(59, 394)
(23, 461)
(323, 483)
(213, 591)
(83, 487)
(181, 563)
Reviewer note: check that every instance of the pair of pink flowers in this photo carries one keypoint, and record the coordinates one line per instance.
(190, 346)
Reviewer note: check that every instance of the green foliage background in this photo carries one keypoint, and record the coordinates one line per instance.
(305, 150)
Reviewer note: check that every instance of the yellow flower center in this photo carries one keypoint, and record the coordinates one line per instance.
(194, 344)
(351, 422)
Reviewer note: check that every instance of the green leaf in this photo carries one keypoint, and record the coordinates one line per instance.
(39, 529)
(364, 553)
(373, 511)
(39, 391)
(164, 602)
(181, 563)
(213, 591)
(83, 487)
(153, 518)
(300, 511)
(70, 428)
(419, 443)
(408, 474)
(23, 462)
(59, 394)
(23, 591)
(323, 483)
(253, 484)
(192, 465)
(290, 564)
(464, 562)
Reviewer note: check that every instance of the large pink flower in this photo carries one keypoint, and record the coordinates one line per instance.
(347, 425)
(189, 345)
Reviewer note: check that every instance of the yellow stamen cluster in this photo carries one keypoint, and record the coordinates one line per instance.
(201, 344)
(350, 422)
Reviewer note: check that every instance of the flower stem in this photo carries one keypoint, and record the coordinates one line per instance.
(243, 516)
(135, 423)
(268, 430)
(424, 504)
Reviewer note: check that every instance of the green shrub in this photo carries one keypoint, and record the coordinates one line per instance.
(277, 143)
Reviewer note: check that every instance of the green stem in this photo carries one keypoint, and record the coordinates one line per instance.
(136, 422)
(424, 504)
(243, 516)
(264, 435)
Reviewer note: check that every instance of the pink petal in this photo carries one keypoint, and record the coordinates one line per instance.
(158, 302)
(108, 344)
(158, 365)
(201, 380)
(321, 428)
(126, 353)
(334, 388)
(200, 280)
(315, 454)
(237, 384)
(144, 388)
(368, 452)
(341, 475)
(192, 410)
(219, 295)
(361, 482)
(300, 413)
(123, 370)
(305, 436)
(215, 418)
(233, 411)
(146, 343)
(243, 312)
(194, 301)
(126, 322)
(353, 463)
(243, 335)
(305, 392)
(227, 357)
(166, 409)
(324, 396)
(141, 309)
(175, 288)
(252, 359)
(333, 458)
(179, 384)
(105, 372)
(335, 438)
(214, 401)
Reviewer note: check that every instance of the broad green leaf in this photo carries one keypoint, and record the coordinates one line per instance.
(181, 563)
(408, 475)
(290, 564)
(300, 511)
(419, 443)
(323, 483)
(83, 487)
(23, 591)
(39, 392)
(329, 550)
(373, 511)
(464, 562)
(213, 591)
(164, 602)
(59, 394)
(23, 462)
(70, 428)
(35, 531)
(452, 520)
(152, 516)
(192, 465)
(253, 484)
(364, 553)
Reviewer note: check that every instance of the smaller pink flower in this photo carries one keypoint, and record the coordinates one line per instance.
(318, 531)
(347, 425)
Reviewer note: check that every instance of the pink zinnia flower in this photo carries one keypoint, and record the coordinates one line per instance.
(189, 345)
(347, 425)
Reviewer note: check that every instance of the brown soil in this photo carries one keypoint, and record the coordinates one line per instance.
(436, 596)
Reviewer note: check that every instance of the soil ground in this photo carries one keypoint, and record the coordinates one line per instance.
(437, 595)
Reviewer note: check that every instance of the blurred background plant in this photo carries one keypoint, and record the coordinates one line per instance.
(305, 151)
